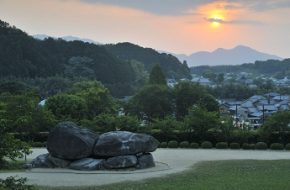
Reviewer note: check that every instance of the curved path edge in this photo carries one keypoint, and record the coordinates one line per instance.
(177, 159)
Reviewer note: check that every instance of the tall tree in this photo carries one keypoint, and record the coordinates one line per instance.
(86, 99)
(96, 96)
(278, 123)
(157, 76)
(186, 95)
(153, 101)
(199, 121)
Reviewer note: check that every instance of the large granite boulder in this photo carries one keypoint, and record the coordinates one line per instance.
(68, 141)
(42, 161)
(119, 162)
(145, 161)
(87, 164)
(118, 143)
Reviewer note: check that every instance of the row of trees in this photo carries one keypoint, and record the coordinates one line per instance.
(275, 68)
(157, 100)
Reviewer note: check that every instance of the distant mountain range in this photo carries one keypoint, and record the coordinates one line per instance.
(66, 38)
(235, 56)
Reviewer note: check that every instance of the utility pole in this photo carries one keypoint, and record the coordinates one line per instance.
(236, 115)
(263, 114)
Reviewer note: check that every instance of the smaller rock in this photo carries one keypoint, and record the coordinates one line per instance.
(59, 163)
(119, 162)
(87, 164)
(145, 161)
(27, 166)
(42, 161)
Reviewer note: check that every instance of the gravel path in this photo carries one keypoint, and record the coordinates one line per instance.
(178, 160)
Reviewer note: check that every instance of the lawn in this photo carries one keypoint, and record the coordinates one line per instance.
(213, 175)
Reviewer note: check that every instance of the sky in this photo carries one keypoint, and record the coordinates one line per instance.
(177, 26)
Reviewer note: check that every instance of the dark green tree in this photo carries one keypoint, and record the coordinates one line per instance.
(10, 147)
(199, 121)
(153, 101)
(97, 98)
(167, 125)
(23, 113)
(108, 122)
(208, 102)
(186, 95)
(67, 106)
(157, 76)
(278, 123)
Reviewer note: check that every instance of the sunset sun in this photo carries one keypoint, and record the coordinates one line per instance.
(216, 17)
(216, 21)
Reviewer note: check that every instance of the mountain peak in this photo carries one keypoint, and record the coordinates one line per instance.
(235, 56)
(66, 38)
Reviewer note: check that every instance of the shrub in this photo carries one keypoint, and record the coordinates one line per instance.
(287, 146)
(172, 144)
(206, 144)
(276, 146)
(184, 144)
(235, 146)
(221, 145)
(163, 145)
(261, 146)
(194, 145)
(247, 146)
(252, 146)
(15, 183)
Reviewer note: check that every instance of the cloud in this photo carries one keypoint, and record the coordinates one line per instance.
(264, 5)
(237, 21)
(246, 22)
(218, 20)
(181, 7)
(158, 7)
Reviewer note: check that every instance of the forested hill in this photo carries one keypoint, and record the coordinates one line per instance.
(269, 67)
(170, 65)
(23, 56)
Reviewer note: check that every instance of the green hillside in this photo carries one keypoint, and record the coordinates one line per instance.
(55, 63)
(170, 65)
(23, 56)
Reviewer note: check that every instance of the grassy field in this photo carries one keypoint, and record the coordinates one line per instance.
(214, 175)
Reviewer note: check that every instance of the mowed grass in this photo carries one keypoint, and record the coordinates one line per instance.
(213, 175)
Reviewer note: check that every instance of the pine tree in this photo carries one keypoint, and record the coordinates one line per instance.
(157, 76)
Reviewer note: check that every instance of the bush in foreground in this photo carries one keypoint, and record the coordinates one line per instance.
(276, 146)
(206, 145)
(247, 146)
(163, 145)
(184, 144)
(194, 145)
(221, 145)
(172, 144)
(287, 147)
(261, 146)
(235, 146)
(13, 183)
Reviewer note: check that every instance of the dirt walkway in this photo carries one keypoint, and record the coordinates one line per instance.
(178, 160)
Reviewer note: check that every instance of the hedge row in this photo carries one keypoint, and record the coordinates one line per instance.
(224, 145)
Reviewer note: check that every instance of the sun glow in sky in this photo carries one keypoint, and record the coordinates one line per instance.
(216, 21)
(181, 26)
